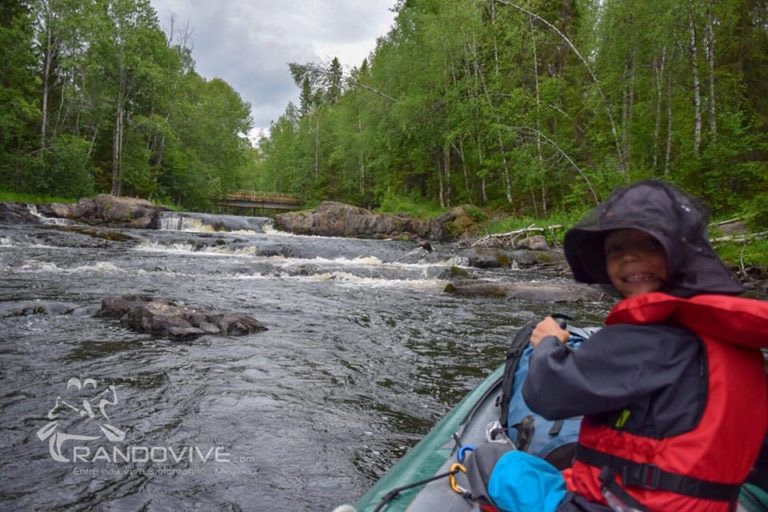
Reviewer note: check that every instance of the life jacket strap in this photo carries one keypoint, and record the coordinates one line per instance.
(650, 476)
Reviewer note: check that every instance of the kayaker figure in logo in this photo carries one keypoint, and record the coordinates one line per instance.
(673, 389)
(90, 410)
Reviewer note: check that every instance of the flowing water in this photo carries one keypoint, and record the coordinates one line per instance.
(364, 353)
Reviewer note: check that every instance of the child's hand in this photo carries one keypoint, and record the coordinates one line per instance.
(548, 327)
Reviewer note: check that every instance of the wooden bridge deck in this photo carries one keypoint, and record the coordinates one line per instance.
(259, 200)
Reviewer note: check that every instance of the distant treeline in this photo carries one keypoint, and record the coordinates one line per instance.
(536, 106)
(96, 98)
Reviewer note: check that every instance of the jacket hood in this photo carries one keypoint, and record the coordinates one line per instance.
(677, 220)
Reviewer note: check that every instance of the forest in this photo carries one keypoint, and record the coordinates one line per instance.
(535, 106)
(531, 107)
(97, 98)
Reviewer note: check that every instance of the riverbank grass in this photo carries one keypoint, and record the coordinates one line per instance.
(17, 197)
(751, 255)
(554, 226)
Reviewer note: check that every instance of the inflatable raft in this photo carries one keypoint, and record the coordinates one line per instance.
(428, 463)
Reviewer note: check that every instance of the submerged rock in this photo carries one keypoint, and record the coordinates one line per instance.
(36, 307)
(165, 318)
(533, 291)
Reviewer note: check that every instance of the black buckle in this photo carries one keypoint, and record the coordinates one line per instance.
(647, 476)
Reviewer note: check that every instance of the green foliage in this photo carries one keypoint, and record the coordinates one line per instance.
(752, 254)
(555, 226)
(95, 98)
(21, 197)
(409, 205)
(756, 212)
(536, 108)
(67, 168)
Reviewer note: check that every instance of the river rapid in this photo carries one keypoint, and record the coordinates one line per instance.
(364, 352)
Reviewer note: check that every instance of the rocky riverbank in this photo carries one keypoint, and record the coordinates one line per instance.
(102, 210)
(458, 225)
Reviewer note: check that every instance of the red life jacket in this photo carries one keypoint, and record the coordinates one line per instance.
(701, 469)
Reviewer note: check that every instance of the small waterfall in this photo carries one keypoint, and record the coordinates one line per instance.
(204, 222)
(47, 220)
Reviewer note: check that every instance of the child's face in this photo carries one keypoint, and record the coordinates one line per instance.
(635, 261)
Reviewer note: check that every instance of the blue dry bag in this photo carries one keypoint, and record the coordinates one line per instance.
(554, 441)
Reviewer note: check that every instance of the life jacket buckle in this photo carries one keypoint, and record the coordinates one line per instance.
(647, 476)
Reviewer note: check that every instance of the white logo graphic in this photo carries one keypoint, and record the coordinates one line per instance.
(92, 409)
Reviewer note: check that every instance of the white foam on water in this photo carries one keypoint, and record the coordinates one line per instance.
(99, 266)
(190, 250)
(48, 267)
(346, 279)
(9, 242)
(269, 229)
(47, 220)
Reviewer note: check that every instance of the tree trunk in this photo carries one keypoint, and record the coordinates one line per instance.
(506, 174)
(462, 156)
(711, 64)
(659, 77)
(117, 148)
(447, 169)
(48, 59)
(317, 146)
(539, 153)
(495, 45)
(440, 192)
(360, 160)
(628, 108)
(668, 152)
(93, 140)
(696, 84)
(483, 191)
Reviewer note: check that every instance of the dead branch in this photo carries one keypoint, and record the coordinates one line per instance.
(742, 239)
(724, 222)
(510, 237)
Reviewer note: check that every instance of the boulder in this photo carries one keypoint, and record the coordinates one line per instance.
(532, 291)
(487, 257)
(168, 319)
(338, 219)
(108, 210)
(527, 258)
(17, 213)
(533, 243)
(331, 218)
(458, 222)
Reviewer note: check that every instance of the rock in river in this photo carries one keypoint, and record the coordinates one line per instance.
(534, 291)
(108, 210)
(165, 318)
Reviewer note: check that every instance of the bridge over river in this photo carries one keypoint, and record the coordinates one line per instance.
(261, 201)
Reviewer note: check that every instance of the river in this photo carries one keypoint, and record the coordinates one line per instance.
(364, 352)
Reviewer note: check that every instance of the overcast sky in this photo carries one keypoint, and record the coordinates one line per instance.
(249, 43)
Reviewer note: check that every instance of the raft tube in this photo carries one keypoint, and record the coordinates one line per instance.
(437, 452)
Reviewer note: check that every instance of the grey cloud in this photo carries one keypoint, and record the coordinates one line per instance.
(250, 43)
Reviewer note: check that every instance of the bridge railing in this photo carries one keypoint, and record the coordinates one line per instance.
(261, 201)
(264, 197)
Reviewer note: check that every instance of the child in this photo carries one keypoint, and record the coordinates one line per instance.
(673, 389)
